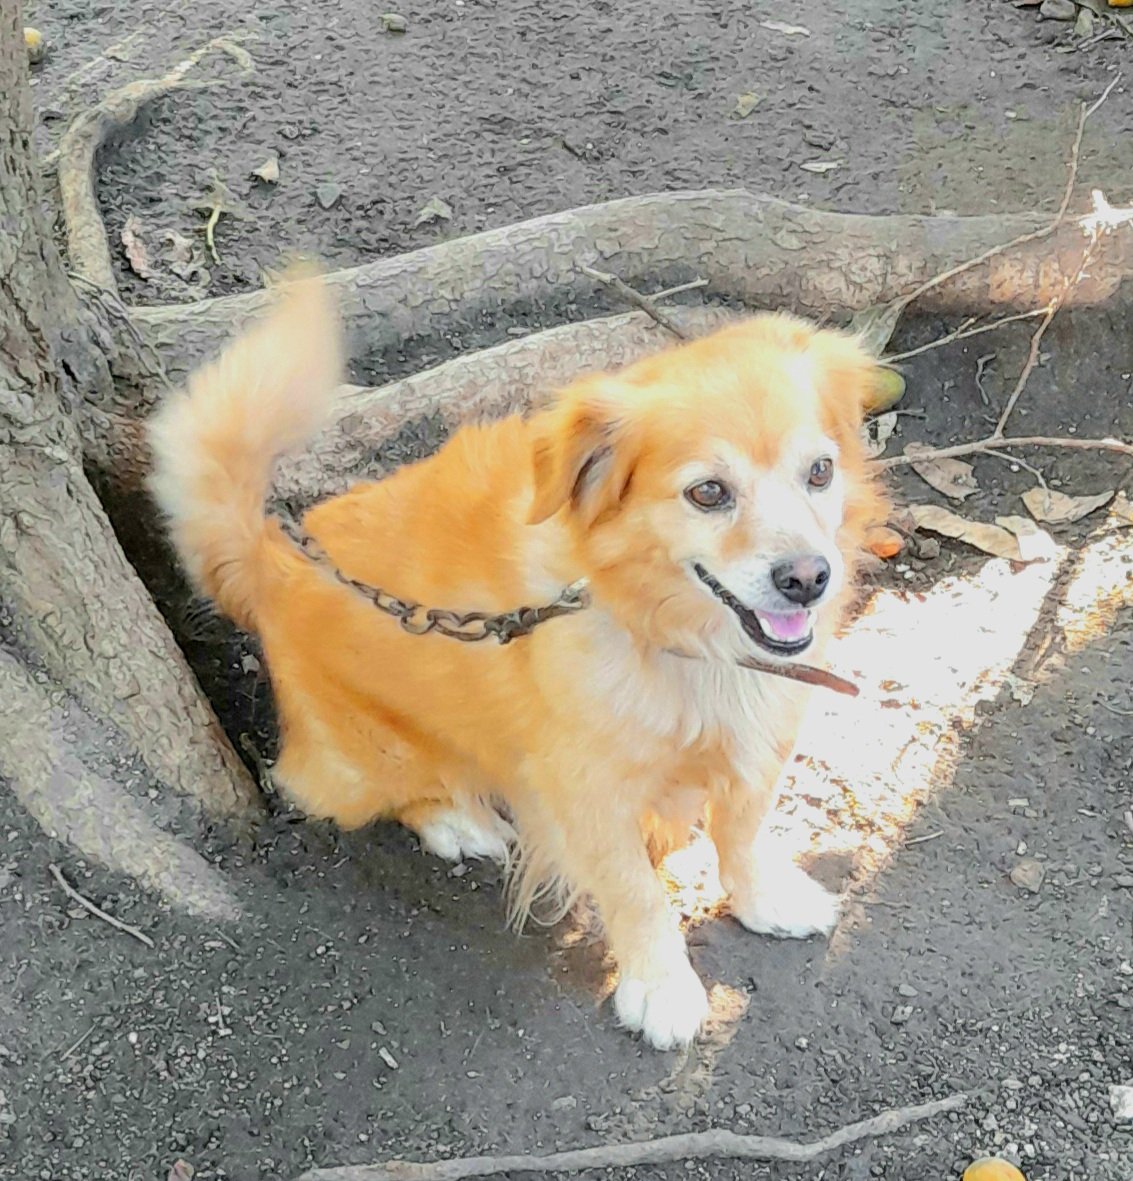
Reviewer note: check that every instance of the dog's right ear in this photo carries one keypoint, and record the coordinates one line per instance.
(581, 455)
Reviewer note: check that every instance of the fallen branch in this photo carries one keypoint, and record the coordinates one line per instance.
(715, 1143)
(87, 245)
(97, 911)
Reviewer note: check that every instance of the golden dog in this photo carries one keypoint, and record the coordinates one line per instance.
(714, 497)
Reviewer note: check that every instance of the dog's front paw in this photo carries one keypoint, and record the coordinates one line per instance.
(787, 903)
(458, 834)
(668, 1012)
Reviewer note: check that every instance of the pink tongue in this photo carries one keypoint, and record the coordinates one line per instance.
(788, 625)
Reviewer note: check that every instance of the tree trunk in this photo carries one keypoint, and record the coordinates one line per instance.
(76, 624)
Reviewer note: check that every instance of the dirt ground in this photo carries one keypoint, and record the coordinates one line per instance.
(370, 1003)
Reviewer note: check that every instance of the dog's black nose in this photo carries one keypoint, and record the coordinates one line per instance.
(802, 580)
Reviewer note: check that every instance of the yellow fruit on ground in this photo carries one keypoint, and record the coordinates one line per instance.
(1121, 3)
(33, 43)
(991, 1168)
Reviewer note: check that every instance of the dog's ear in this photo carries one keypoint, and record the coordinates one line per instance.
(581, 455)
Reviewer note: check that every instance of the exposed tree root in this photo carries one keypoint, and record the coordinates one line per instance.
(75, 803)
(717, 1142)
(87, 245)
(754, 249)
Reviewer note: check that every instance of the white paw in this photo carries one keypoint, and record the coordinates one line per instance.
(667, 1012)
(458, 834)
(788, 903)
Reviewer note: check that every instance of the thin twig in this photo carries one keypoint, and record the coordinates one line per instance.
(73, 1048)
(1028, 366)
(1034, 235)
(925, 839)
(964, 332)
(669, 292)
(1015, 461)
(991, 443)
(632, 296)
(97, 911)
(717, 1142)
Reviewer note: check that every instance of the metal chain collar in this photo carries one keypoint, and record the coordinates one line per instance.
(468, 626)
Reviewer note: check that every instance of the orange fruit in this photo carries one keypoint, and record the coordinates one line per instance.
(991, 1168)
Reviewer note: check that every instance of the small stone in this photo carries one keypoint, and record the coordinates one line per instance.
(387, 1057)
(1124, 880)
(801, 1043)
(328, 194)
(1121, 1102)
(1029, 874)
(394, 22)
(564, 1103)
(901, 1014)
(1058, 10)
(458, 870)
(268, 171)
(906, 990)
(250, 663)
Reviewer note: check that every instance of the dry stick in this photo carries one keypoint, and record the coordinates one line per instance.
(97, 911)
(633, 296)
(717, 1142)
(963, 333)
(997, 442)
(87, 244)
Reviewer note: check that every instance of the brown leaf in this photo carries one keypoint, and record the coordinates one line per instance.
(268, 171)
(1056, 508)
(435, 209)
(877, 433)
(1121, 510)
(1035, 544)
(137, 255)
(991, 539)
(953, 477)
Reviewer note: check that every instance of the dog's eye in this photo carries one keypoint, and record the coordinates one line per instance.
(709, 495)
(821, 473)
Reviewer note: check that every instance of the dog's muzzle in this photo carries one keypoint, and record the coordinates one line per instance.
(784, 633)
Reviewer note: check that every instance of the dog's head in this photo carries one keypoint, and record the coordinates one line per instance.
(715, 494)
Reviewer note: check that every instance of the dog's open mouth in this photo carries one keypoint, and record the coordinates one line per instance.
(786, 633)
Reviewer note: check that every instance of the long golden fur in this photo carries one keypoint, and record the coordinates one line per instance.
(602, 743)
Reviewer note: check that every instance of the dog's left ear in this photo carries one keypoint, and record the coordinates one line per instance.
(852, 382)
(582, 455)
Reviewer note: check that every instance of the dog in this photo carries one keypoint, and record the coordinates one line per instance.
(715, 497)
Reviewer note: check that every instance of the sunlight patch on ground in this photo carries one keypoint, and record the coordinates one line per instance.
(924, 663)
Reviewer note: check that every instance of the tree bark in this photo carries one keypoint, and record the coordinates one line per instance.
(73, 614)
(751, 248)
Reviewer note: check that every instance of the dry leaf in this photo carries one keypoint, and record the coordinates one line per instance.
(1121, 511)
(181, 1170)
(268, 171)
(746, 103)
(136, 253)
(820, 166)
(877, 433)
(991, 539)
(883, 542)
(785, 29)
(953, 477)
(873, 326)
(1035, 544)
(1056, 508)
(434, 210)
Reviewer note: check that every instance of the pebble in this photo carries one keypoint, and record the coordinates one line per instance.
(907, 990)
(1058, 10)
(328, 194)
(1029, 874)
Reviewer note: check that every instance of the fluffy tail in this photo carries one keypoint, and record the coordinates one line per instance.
(215, 445)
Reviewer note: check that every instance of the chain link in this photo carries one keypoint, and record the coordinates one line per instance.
(470, 627)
